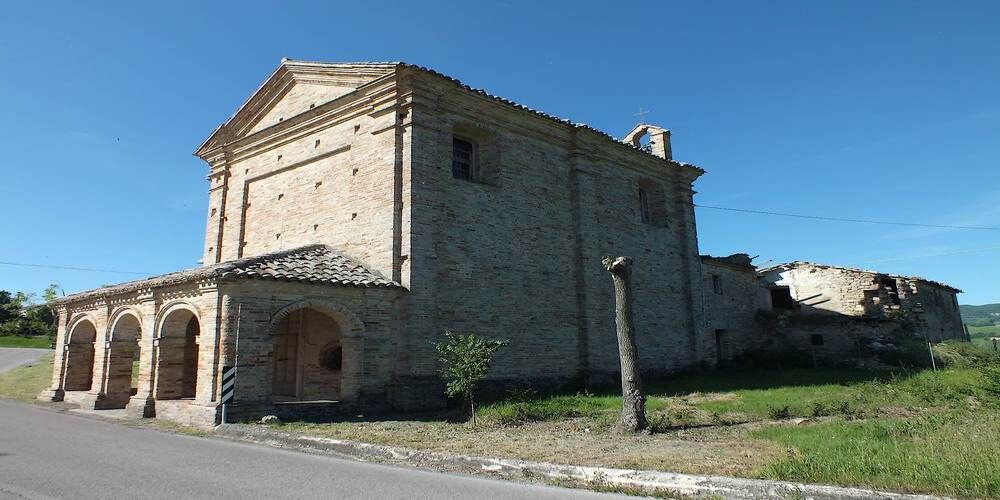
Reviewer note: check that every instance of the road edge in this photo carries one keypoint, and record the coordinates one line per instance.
(657, 483)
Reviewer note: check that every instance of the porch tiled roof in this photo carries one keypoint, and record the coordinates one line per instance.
(316, 264)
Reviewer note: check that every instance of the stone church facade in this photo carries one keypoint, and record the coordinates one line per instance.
(357, 211)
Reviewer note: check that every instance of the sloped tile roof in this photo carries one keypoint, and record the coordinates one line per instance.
(316, 264)
(400, 64)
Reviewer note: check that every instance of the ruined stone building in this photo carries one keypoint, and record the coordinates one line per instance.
(733, 298)
(826, 314)
(859, 307)
(357, 211)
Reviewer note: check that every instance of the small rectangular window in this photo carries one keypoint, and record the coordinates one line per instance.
(644, 214)
(816, 339)
(717, 284)
(463, 159)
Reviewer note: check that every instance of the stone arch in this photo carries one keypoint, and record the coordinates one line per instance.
(178, 330)
(349, 322)
(169, 308)
(124, 334)
(79, 354)
(316, 352)
(658, 139)
(118, 315)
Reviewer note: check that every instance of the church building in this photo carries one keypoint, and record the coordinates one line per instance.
(358, 211)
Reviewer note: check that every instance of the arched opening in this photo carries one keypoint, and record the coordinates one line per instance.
(308, 357)
(80, 357)
(177, 363)
(123, 360)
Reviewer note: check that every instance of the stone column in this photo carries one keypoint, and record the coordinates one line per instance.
(56, 392)
(142, 404)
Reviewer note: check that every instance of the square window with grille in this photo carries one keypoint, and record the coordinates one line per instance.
(463, 159)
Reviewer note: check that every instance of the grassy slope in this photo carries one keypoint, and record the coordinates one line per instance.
(957, 453)
(980, 334)
(14, 341)
(983, 312)
(932, 432)
(24, 383)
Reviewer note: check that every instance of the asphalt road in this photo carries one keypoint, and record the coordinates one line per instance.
(12, 357)
(45, 453)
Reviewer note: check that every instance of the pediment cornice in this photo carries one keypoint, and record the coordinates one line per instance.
(278, 84)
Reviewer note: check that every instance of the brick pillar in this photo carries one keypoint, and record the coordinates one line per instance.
(208, 355)
(100, 369)
(56, 392)
(659, 143)
(142, 404)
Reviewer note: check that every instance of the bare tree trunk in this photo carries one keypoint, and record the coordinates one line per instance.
(633, 418)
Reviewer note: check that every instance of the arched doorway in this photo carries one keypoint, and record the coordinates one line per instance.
(308, 357)
(123, 359)
(80, 357)
(177, 358)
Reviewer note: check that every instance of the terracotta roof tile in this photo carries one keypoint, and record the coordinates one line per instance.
(316, 264)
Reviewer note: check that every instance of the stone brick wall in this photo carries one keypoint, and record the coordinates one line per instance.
(516, 253)
(858, 307)
(934, 309)
(731, 310)
(367, 329)
(309, 180)
(829, 289)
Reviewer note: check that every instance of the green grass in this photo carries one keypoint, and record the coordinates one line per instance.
(926, 431)
(980, 335)
(749, 395)
(15, 341)
(24, 383)
(954, 453)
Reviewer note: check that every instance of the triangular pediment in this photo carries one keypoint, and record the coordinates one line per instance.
(292, 89)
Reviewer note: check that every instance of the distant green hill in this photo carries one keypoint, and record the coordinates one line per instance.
(984, 315)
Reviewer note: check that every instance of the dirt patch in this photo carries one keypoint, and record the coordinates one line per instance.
(567, 442)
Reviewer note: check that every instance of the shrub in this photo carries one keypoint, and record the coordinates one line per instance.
(465, 359)
(776, 413)
(820, 410)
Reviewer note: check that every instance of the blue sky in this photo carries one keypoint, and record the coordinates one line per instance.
(876, 110)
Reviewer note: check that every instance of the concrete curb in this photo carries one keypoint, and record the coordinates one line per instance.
(650, 482)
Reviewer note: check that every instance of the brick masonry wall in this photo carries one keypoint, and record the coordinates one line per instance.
(933, 308)
(330, 183)
(827, 289)
(734, 310)
(368, 336)
(517, 255)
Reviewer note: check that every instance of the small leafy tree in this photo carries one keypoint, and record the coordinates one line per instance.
(465, 359)
(20, 314)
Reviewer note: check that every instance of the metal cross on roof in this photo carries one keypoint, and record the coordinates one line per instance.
(642, 115)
